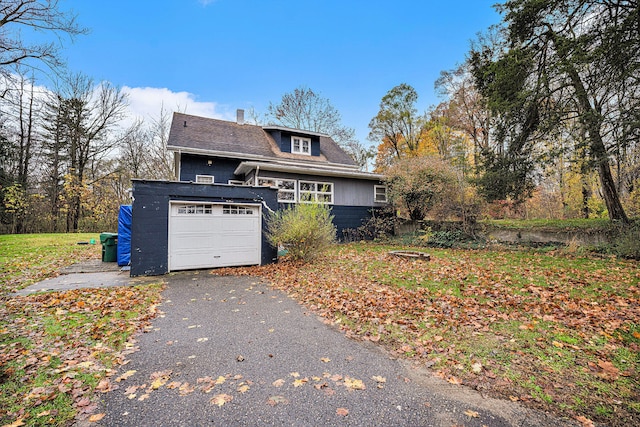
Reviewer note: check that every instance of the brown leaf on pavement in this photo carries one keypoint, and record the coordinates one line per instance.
(343, 412)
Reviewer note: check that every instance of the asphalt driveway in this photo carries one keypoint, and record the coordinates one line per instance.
(231, 351)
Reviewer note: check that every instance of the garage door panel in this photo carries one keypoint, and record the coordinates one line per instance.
(214, 235)
(247, 224)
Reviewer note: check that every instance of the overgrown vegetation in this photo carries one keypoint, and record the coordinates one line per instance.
(549, 329)
(304, 230)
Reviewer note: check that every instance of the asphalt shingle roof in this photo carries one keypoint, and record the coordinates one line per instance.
(221, 136)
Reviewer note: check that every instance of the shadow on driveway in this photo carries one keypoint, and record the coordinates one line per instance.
(231, 351)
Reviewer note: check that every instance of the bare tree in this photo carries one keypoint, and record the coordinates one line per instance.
(20, 17)
(305, 109)
(87, 114)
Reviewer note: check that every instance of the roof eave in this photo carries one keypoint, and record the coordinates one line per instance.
(255, 157)
(248, 166)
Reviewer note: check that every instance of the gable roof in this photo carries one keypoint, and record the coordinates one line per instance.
(201, 135)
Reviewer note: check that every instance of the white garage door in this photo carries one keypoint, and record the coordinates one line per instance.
(207, 235)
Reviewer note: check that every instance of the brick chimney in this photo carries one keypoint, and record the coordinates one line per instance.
(240, 116)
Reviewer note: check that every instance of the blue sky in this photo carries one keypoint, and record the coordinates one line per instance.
(212, 57)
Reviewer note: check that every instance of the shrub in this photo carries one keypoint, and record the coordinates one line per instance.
(305, 230)
(627, 240)
(380, 225)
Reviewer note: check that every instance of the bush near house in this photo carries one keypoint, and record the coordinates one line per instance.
(305, 230)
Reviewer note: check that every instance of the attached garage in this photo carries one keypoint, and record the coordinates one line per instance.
(209, 235)
(183, 226)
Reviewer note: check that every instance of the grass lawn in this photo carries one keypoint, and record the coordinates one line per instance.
(57, 349)
(28, 258)
(548, 329)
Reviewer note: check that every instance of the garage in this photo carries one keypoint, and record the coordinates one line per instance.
(209, 235)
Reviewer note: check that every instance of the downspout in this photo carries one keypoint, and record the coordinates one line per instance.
(255, 183)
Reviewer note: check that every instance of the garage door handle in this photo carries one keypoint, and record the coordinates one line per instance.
(216, 256)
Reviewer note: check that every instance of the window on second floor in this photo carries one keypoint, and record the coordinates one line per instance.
(300, 145)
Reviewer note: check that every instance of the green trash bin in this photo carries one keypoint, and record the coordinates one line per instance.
(109, 247)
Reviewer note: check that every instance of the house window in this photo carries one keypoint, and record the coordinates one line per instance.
(380, 193)
(319, 192)
(237, 210)
(301, 145)
(286, 188)
(235, 182)
(204, 179)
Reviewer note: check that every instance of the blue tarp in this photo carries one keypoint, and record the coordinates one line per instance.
(124, 235)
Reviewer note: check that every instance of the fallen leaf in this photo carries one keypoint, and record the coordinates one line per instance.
(156, 384)
(609, 368)
(343, 412)
(104, 385)
(126, 375)
(220, 380)
(294, 374)
(454, 380)
(278, 383)
(275, 400)
(143, 397)
(325, 360)
(243, 388)
(96, 417)
(476, 367)
(472, 414)
(185, 389)
(221, 399)
(379, 379)
(354, 384)
(300, 382)
(586, 422)
(557, 344)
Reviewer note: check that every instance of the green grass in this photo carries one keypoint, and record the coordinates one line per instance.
(28, 258)
(54, 346)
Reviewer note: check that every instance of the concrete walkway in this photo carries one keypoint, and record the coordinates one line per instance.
(88, 274)
(231, 351)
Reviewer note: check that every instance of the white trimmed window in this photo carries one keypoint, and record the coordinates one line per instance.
(380, 193)
(235, 182)
(286, 188)
(195, 210)
(204, 179)
(319, 192)
(300, 145)
(237, 210)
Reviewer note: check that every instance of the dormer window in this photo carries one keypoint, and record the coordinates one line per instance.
(300, 145)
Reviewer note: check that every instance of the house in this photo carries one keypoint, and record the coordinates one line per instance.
(230, 175)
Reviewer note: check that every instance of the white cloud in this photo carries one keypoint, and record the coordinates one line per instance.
(145, 103)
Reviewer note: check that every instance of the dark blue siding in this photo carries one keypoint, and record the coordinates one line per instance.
(283, 140)
(222, 169)
(315, 146)
(346, 217)
(150, 222)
